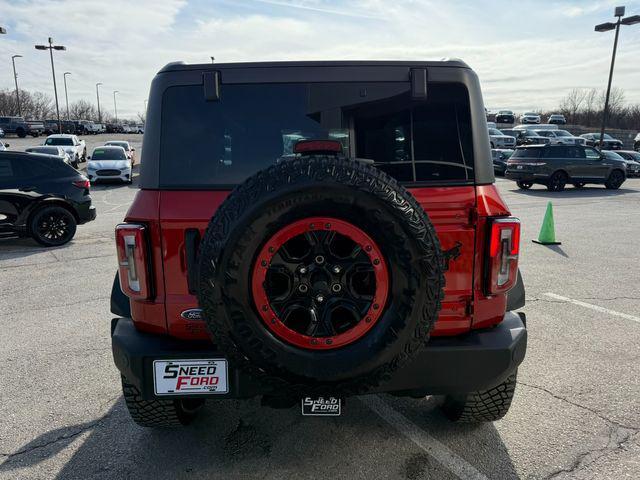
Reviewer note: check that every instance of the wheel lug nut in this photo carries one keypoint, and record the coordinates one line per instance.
(302, 270)
(336, 269)
(336, 287)
(303, 288)
(319, 259)
(320, 298)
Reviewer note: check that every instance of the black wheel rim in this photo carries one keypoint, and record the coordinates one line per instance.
(53, 226)
(557, 182)
(616, 179)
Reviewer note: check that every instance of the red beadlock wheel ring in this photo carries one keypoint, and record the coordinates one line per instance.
(320, 224)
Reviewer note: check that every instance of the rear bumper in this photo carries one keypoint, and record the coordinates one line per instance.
(474, 361)
(525, 176)
(86, 212)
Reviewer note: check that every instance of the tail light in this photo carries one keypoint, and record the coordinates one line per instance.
(83, 183)
(132, 260)
(502, 256)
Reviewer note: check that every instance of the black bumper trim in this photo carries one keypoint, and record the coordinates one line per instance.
(474, 361)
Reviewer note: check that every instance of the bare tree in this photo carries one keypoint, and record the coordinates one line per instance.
(571, 104)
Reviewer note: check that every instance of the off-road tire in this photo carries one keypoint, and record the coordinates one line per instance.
(483, 406)
(348, 190)
(159, 413)
(615, 180)
(557, 181)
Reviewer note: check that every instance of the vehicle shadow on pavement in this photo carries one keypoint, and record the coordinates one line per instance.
(586, 192)
(241, 439)
(21, 247)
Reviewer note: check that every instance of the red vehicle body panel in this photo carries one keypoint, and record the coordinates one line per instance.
(459, 215)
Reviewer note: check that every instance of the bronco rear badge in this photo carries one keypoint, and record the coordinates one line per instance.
(192, 314)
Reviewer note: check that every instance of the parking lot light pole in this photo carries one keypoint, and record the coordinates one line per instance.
(51, 48)
(15, 77)
(98, 97)
(115, 106)
(66, 97)
(605, 27)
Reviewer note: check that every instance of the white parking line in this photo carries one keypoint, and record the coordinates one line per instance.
(594, 307)
(457, 465)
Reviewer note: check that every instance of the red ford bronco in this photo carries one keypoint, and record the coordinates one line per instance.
(308, 231)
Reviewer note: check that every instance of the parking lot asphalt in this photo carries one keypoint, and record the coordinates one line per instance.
(576, 413)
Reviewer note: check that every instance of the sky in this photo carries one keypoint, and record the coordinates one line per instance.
(528, 54)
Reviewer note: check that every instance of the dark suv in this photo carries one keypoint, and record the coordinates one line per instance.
(332, 230)
(557, 165)
(42, 197)
(20, 127)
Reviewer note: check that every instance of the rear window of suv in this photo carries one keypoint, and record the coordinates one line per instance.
(220, 144)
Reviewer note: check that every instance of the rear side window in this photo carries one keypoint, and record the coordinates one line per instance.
(527, 153)
(219, 144)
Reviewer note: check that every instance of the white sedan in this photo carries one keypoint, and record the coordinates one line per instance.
(109, 163)
(131, 152)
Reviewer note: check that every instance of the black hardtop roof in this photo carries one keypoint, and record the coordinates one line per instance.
(449, 63)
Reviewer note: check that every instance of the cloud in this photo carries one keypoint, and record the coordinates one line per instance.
(526, 56)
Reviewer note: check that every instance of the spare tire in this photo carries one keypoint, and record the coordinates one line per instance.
(320, 274)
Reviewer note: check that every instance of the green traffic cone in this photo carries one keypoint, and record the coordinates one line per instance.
(547, 232)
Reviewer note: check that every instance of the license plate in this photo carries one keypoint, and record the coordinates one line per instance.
(188, 377)
(321, 406)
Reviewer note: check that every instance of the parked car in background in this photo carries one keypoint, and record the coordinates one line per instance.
(530, 117)
(610, 143)
(636, 143)
(1, 133)
(51, 126)
(500, 140)
(113, 128)
(633, 161)
(491, 125)
(18, 126)
(3, 146)
(83, 127)
(139, 128)
(75, 147)
(53, 150)
(109, 163)
(42, 197)
(557, 165)
(526, 137)
(557, 119)
(500, 157)
(561, 137)
(130, 151)
(505, 116)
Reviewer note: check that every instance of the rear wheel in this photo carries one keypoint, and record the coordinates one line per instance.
(557, 182)
(21, 132)
(524, 185)
(159, 413)
(615, 180)
(53, 226)
(481, 406)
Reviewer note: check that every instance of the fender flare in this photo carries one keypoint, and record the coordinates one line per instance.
(516, 296)
(119, 301)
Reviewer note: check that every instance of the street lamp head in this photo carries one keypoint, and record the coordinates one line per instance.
(16, 56)
(605, 27)
(66, 73)
(619, 12)
(632, 20)
(99, 83)
(41, 47)
(59, 47)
